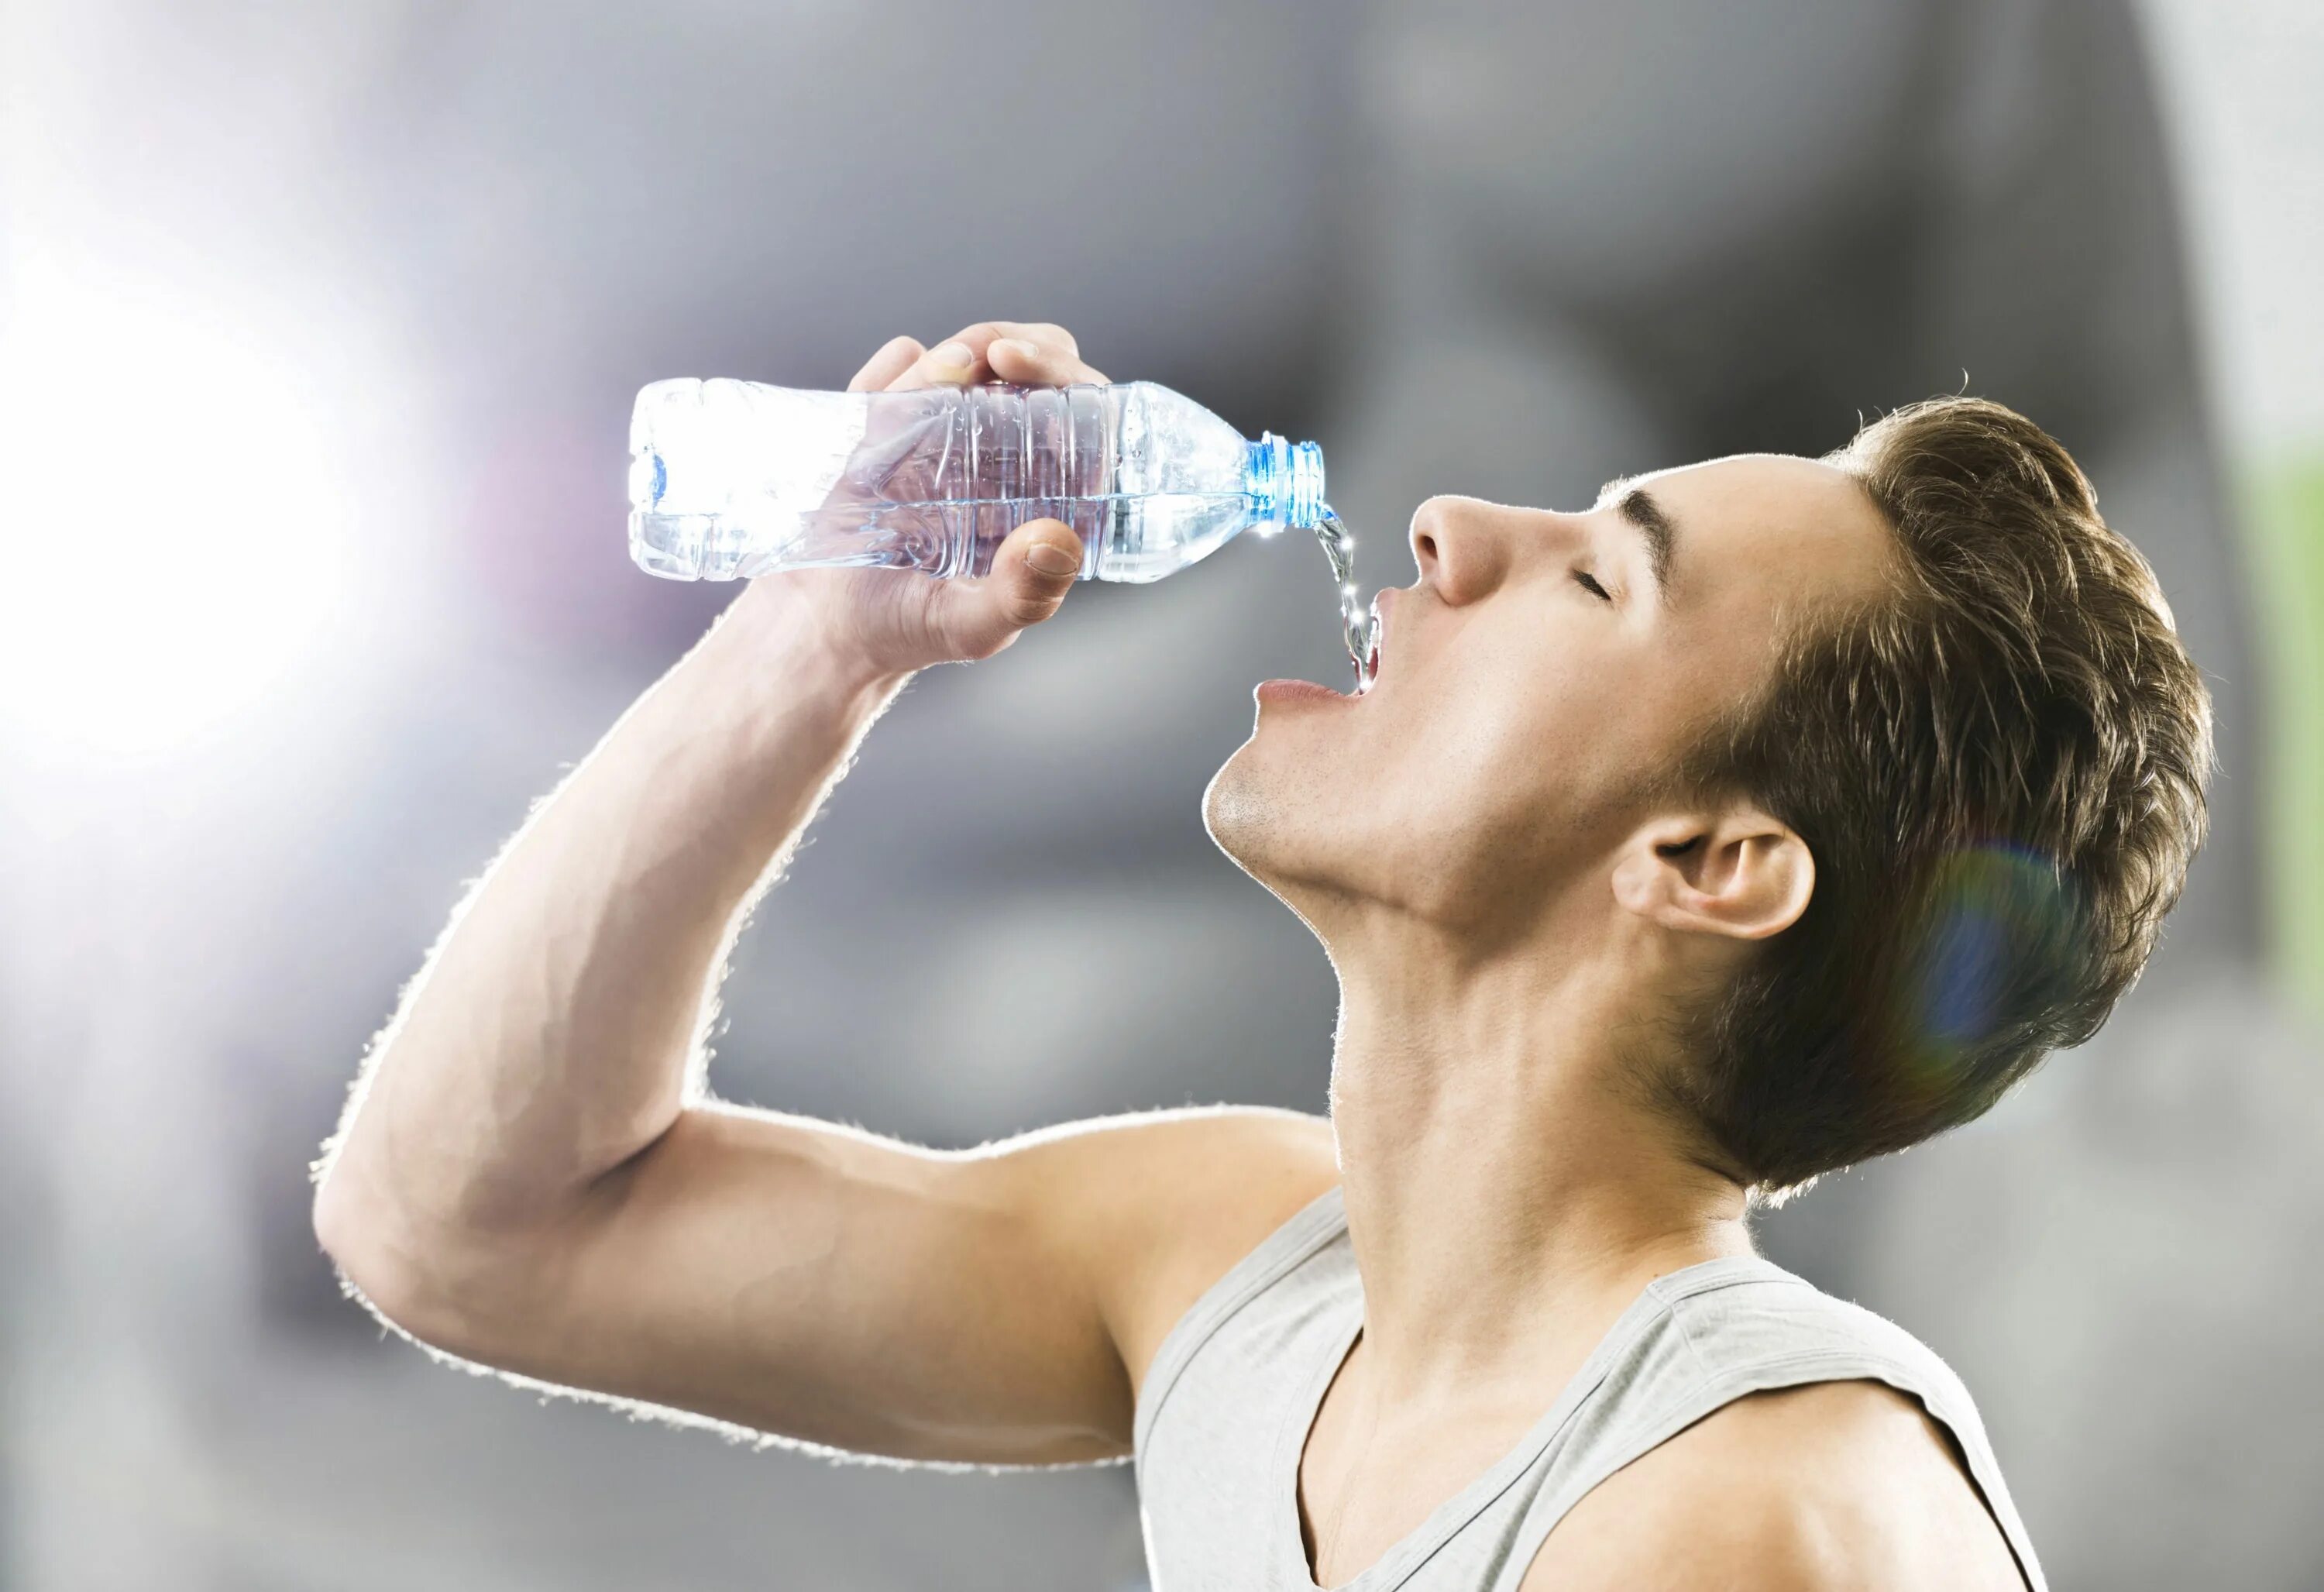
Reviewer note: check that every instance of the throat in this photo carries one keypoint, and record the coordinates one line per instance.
(1499, 1179)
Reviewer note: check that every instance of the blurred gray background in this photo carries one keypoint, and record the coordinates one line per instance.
(322, 328)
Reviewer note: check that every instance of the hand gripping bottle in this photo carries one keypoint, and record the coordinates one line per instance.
(731, 479)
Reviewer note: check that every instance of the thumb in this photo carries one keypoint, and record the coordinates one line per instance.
(1032, 572)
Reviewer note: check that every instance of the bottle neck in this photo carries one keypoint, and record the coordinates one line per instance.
(1285, 482)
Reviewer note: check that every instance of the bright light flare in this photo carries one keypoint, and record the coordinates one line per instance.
(177, 535)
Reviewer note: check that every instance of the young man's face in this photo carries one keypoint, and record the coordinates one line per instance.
(1532, 684)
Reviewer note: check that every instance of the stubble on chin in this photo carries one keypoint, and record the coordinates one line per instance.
(1235, 813)
(1269, 819)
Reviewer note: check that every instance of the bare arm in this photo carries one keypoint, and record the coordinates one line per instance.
(528, 1176)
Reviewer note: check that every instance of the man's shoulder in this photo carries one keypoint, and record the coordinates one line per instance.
(1158, 1206)
(1830, 1484)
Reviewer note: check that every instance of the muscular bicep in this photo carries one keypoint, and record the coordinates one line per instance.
(831, 1286)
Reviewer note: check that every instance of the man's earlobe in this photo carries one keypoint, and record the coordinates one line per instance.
(1736, 871)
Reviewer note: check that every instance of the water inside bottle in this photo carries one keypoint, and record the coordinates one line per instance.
(1358, 622)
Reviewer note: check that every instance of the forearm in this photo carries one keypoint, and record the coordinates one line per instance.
(548, 1037)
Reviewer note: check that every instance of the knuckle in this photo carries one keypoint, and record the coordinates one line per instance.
(1052, 339)
(894, 356)
(1030, 605)
(982, 637)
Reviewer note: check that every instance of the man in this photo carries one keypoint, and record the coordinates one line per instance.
(1771, 814)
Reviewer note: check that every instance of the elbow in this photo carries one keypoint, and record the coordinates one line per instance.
(354, 1232)
(374, 1265)
(402, 1277)
(335, 1224)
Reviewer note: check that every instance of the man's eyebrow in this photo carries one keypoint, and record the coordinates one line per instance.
(1637, 507)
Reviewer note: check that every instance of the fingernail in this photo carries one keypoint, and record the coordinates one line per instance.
(1020, 347)
(952, 353)
(1048, 558)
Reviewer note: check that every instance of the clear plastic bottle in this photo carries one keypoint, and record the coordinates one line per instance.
(733, 479)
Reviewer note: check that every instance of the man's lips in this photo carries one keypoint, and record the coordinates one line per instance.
(1298, 690)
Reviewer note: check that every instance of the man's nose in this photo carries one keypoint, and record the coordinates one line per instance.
(1460, 546)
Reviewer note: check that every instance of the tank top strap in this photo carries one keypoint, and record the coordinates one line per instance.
(1314, 1227)
(1731, 1327)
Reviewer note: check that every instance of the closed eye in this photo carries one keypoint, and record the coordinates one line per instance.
(1590, 582)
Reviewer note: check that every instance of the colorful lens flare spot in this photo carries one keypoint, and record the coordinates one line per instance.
(2002, 924)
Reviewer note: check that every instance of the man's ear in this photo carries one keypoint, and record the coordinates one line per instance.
(1732, 869)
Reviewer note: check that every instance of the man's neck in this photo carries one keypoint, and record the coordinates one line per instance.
(1505, 1191)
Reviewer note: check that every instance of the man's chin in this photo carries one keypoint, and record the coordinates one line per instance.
(1231, 808)
(1264, 823)
(1244, 813)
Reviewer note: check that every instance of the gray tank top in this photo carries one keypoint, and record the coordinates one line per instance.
(1228, 1401)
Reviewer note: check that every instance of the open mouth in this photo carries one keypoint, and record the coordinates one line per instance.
(1371, 632)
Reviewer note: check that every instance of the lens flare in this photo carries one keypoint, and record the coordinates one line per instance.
(2000, 925)
(186, 541)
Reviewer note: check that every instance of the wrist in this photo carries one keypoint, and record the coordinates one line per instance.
(776, 631)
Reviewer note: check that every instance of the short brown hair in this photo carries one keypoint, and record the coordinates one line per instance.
(1999, 770)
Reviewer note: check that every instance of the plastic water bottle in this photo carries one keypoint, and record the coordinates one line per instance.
(731, 479)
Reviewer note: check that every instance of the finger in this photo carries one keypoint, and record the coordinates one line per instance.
(1043, 334)
(964, 356)
(895, 357)
(1040, 333)
(975, 354)
(1033, 364)
(953, 362)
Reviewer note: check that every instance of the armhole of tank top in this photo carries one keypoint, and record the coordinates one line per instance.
(1289, 1247)
(1801, 1370)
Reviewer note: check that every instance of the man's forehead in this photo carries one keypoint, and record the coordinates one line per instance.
(1751, 483)
(1750, 505)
